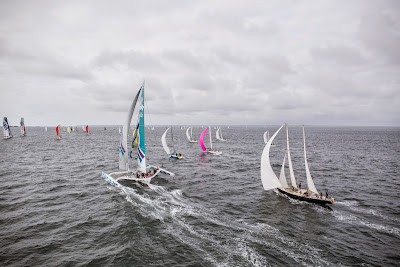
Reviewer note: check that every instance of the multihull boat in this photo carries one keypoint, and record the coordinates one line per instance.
(143, 173)
(271, 181)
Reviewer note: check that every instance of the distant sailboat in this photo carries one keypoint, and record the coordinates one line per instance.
(173, 155)
(144, 172)
(271, 181)
(218, 135)
(58, 132)
(190, 136)
(119, 129)
(87, 129)
(69, 129)
(22, 127)
(266, 138)
(210, 150)
(45, 128)
(6, 129)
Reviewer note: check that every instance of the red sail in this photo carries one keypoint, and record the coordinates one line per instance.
(58, 130)
(87, 128)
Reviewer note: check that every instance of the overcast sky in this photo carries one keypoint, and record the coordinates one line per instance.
(204, 62)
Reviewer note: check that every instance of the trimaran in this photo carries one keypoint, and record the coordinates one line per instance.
(144, 172)
(271, 181)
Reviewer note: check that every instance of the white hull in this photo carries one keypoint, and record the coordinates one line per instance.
(214, 152)
(193, 141)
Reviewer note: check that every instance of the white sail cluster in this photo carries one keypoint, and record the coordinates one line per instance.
(269, 178)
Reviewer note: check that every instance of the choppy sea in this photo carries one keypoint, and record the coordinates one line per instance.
(57, 210)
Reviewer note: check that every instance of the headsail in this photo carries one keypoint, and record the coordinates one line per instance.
(292, 178)
(123, 147)
(268, 177)
(164, 142)
(87, 129)
(282, 177)
(202, 139)
(310, 182)
(6, 129)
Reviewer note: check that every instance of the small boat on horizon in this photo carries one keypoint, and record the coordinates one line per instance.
(59, 137)
(6, 129)
(22, 127)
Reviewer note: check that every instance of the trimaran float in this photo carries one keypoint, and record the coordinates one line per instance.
(271, 181)
(144, 172)
(173, 155)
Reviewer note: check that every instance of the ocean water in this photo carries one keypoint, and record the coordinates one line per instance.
(56, 209)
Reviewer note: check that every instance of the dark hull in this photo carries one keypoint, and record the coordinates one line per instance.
(304, 198)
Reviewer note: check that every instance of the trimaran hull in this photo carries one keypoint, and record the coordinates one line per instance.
(300, 196)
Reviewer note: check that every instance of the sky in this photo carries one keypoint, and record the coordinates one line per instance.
(334, 63)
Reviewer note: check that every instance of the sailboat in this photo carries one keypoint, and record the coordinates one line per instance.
(218, 135)
(266, 138)
(22, 127)
(173, 155)
(190, 136)
(87, 129)
(210, 150)
(271, 181)
(69, 129)
(6, 129)
(58, 132)
(45, 128)
(119, 129)
(144, 172)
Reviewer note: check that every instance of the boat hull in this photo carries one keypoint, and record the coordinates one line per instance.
(176, 157)
(305, 198)
(215, 152)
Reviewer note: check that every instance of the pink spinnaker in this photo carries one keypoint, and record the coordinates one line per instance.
(201, 139)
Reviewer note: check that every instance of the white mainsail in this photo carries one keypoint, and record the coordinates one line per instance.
(189, 137)
(292, 178)
(268, 177)
(217, 134)
(266, 137)
(45, 129)
(164, 142)
(22, 127)
(310, 182)
(282, 177)
(123, 148)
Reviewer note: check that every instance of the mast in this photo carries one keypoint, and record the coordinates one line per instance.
(210, 139)
(141, 159)
(310, 182)
(292, 178)
(191, 133)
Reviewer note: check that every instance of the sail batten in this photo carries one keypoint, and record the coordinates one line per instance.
(268, 177)
(310, 182)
